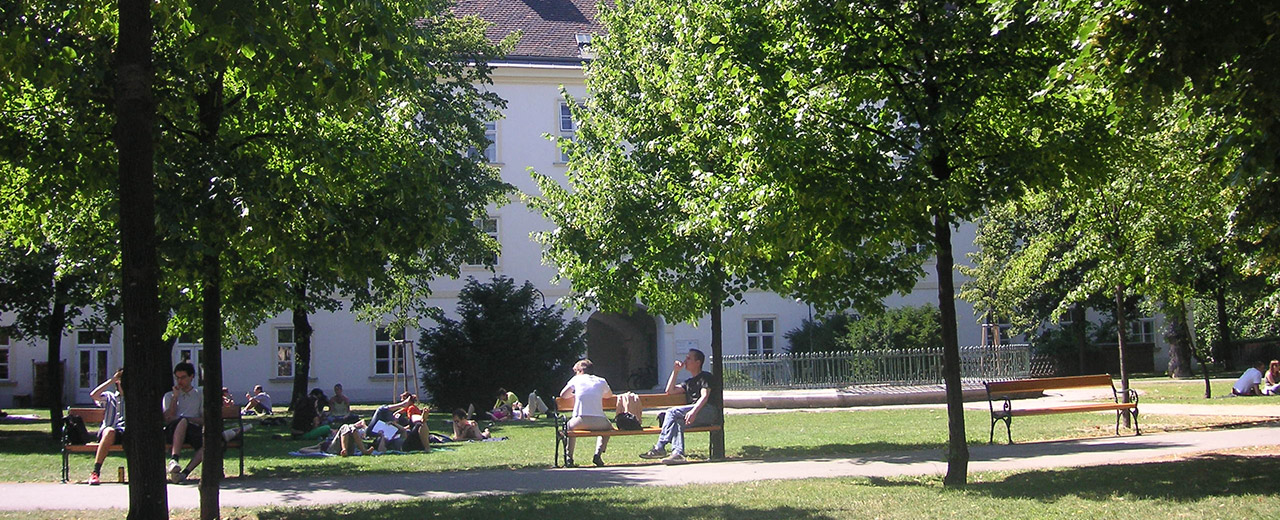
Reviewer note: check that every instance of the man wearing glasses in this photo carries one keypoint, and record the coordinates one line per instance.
(184, 420)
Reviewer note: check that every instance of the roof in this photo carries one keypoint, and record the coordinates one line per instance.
(550, 27)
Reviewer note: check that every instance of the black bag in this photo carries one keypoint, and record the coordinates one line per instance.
(74, 431)
(626, 421)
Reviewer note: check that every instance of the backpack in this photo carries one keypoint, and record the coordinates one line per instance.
(74, 431)
(627, 421)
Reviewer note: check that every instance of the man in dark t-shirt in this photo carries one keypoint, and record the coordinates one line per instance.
(701, 412)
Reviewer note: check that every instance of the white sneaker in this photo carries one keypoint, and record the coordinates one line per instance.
(175, 471)
(674, 458)
(227, 435)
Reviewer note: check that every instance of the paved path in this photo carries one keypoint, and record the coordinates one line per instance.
(359, 488)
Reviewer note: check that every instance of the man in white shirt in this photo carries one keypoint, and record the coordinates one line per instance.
(590, 392)
(184, 420)
(1249, 381)
(259, 402)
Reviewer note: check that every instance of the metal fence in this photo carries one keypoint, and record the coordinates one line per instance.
(888, 367)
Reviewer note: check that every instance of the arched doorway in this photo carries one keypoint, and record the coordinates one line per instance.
(624, 349)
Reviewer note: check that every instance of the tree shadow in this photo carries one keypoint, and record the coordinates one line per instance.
(1192, 479)
(545, 505)
(833, 449)
(1186, 480)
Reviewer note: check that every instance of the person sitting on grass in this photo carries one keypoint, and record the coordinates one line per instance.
(112, 429)
(507, 407)
(465, 429)
(306, 417)
(1271, 385)
(1250, 381)
(259, 402)
(340, 407)
(697, 390)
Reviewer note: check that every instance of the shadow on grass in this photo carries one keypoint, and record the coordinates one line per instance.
(827, 450)
(28, 442)
(539, 506)
(1188, 480)
(1196, 478)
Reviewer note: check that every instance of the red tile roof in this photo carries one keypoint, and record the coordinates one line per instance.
(549, 27)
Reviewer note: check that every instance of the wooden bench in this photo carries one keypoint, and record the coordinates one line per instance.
(1009, 390)
(92, 418)
(564, 412)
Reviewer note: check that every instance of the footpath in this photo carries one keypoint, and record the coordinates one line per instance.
(303, 491)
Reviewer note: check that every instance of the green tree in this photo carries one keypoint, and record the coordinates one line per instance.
(505, 337)
(820, 335)
(899, 328)
(364, 108)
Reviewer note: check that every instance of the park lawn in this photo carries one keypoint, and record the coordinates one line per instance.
(26, 455)
(1229, 485)
(1192, 392)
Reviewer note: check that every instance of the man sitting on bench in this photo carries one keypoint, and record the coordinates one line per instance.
(184, 420)
(112, 429)
(589, 391)
(697, 390)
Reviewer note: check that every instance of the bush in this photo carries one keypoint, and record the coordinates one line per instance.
(822, 335)
(505, 337)
(900, 328)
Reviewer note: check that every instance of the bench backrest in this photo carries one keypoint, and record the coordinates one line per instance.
(94, 415)
(647, 401)
(995, 388)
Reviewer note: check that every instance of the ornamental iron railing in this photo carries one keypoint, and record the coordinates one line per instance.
(901, 367)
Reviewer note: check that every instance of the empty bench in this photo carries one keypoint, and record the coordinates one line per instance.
(1007, 391)
(92, 418)
(564, 412)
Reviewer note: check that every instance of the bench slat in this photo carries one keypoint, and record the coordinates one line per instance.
(651, 430)
(1100, 407)
(647, 401)
(1048, 383)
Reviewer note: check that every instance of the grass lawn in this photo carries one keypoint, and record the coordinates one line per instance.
(26, 455)
(1233, 485)
(1192, 392)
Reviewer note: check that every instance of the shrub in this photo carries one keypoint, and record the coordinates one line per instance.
(505, 337)
(900, 328)
(821, 335)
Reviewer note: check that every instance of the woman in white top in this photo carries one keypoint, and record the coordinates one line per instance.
(590, 392)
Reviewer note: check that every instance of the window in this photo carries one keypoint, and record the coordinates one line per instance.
(490, 152)
(1143, 330)
(388, 352)
(284, 352)
(4, 357)
(760, 336)
(488, 226)
(187, 349)
(93, 352)
(568, 129)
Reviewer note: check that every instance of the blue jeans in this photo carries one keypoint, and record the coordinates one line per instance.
(386, 415)
(673, 425)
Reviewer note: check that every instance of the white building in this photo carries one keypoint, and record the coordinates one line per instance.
(358, 355)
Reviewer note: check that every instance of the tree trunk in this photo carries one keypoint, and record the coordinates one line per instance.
(1223, 351)
(717, 369)
(1120, 338)
(957, 445)
(140, 273)
(1204, 363)
(301, 346)
(1179, 341)
(211, 357)
(1079, 328)
(53, 365)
